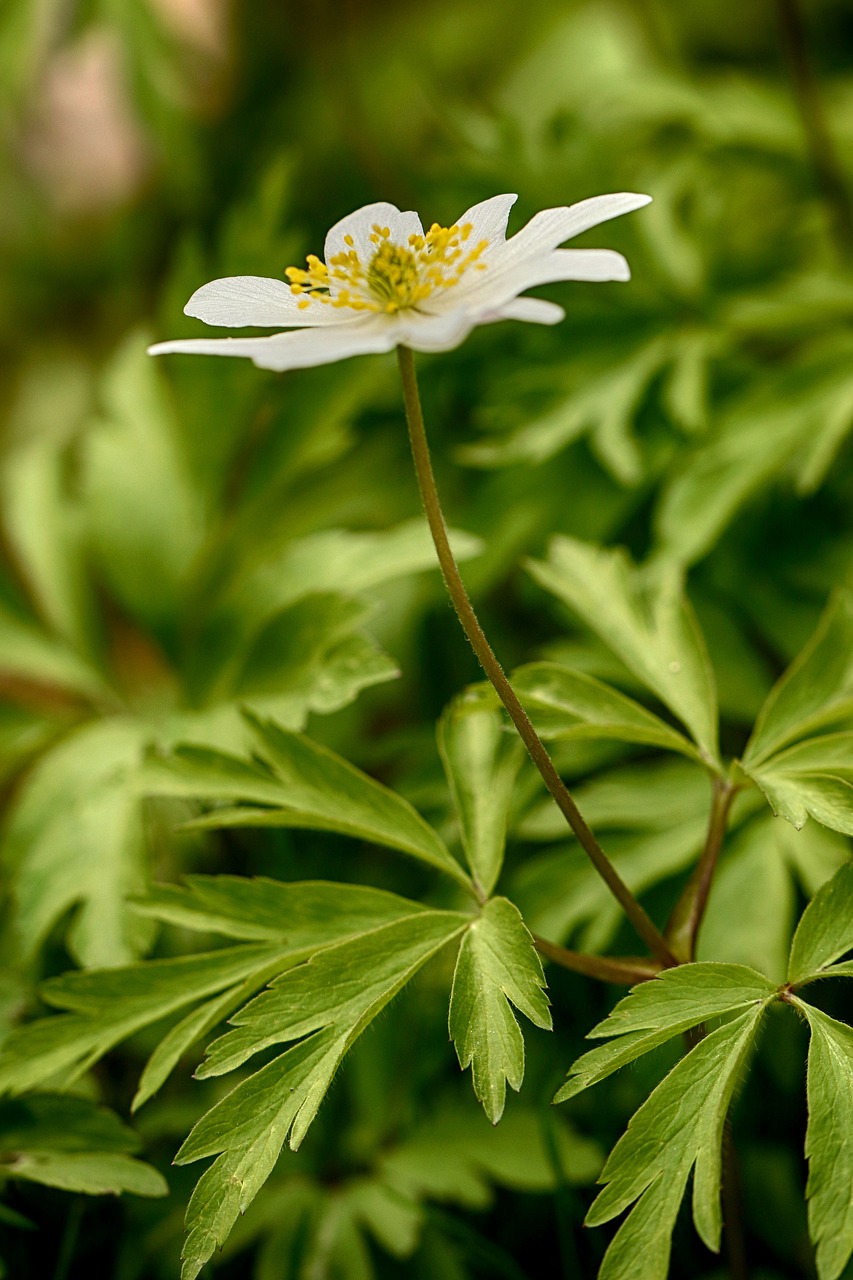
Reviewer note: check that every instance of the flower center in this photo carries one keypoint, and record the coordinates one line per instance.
(396, 277)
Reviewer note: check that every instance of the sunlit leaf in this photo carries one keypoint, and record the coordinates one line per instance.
(678, 1128)
(648, 624)
(817, 687)
(481, 762)
(567, 704)
(655, 1011)
(825, 931)
(829, 1141)
(497, 967)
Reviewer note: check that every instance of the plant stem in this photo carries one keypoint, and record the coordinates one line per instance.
(624, 971)
(682, 929)
(644, 926)
(824, 160)
(731, 1197)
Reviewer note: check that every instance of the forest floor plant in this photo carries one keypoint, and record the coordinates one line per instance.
(312, 963)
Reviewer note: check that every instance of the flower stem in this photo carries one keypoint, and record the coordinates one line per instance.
(822, 154)
(644, 926)
(624, 971)
(682, 930)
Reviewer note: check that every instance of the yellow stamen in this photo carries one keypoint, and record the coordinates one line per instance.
(396, 277)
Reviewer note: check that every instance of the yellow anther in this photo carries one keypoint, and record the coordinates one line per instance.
(396, 277)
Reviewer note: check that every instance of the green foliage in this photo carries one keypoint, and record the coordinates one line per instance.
(647, 623)
(481, 763)
(497, 966)
(223, 647)
(302, 785)
(75, 1145)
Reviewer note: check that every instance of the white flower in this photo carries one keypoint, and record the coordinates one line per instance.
(386, 283)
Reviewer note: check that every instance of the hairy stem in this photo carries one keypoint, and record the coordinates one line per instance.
(644, 926)
(682, 930)
(625, 971)
(824, 160)
(732, 1221)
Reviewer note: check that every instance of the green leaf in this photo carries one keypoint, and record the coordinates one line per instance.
(40, 512)
(560, 892)
(816, 688)
(648, 624)
(286, 923)
(328, 1001)
(644, 795)
(75, 840)
(656, 1011)
(566, 704)
(334, 990)
(814, 779)
(497, 966)
(146, 515)
(28, 652)
(72, 1144)
(750, 912)
(306, 915)
(481, 762)
(808, 409)
(825, 931)
(106, 1006)
(304, 785)
(678, 1127)
(337, 561)
(455, 1157)
(312, 655)
(829, 1141)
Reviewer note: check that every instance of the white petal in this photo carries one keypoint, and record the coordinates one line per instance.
(424, 332)
(488, 219)
(552, 227)
(493, 289)
(533, 310)
(297, 350)
(259, 300)
(359, 225)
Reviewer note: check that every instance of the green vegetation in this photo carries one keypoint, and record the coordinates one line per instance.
(286, 905)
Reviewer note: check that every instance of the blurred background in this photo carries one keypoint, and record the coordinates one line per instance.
(164, 524)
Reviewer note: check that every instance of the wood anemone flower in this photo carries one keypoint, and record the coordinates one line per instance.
(385, 283)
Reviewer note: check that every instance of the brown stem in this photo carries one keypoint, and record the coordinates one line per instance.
(824, 160)
(644, 926)
(621, 970)
(682, 929)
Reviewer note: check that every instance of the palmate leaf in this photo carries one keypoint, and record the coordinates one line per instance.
(303, 785)
(283, 924)
(497, 966)
(328, 1001)
(567, 704)
(825, 931)
(813, 779)
(654, 1012)
(141, 497)
(73, 1144)
(647, 622)
(311, 655)
(74, 840)
(678, 1127)
(817, 687)
(481, 763)
(829, 1141)
(106, 1006)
